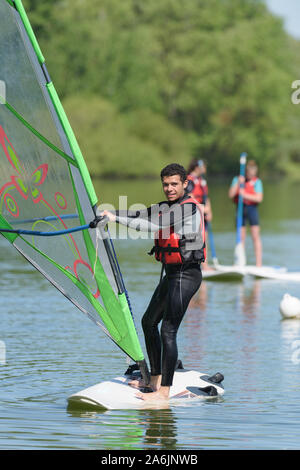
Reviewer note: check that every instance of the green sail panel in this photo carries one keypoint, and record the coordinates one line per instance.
(45, 186)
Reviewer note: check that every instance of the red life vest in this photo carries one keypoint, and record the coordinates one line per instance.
(250, 189)
(199, 191)
(173, 250)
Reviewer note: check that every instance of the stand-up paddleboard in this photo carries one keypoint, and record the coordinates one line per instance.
(265, 272)
(116, 394)
(238, 273)
(287, 276)
(223, 273)
(219, 272)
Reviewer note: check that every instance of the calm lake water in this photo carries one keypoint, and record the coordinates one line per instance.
(49, 350)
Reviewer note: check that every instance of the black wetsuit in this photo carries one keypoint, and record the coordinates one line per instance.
(171, 297)
(169, 304)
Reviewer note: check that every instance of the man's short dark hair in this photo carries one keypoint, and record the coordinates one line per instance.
(174, 169)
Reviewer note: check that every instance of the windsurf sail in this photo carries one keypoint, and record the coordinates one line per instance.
(46, 189)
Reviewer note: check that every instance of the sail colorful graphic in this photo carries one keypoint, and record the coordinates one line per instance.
(46, 189)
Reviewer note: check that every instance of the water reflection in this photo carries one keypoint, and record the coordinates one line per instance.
(251, 299)
(195, 327)
(206, 316)
(246, 334)
(290, 329)
(290, 334)
(200, 299)
(234, 328)
(247, 298)
(160, 429)
(136, 428)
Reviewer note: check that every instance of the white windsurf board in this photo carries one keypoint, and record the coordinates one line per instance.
(115, 394)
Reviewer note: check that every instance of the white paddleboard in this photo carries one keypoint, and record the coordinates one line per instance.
(275, 274)
(235, 273)
(223, 273)
(116, 394)
(264, 271)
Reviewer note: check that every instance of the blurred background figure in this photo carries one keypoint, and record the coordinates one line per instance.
(198, 188)
(252, 196)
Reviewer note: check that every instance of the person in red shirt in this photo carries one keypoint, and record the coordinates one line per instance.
(197, 187)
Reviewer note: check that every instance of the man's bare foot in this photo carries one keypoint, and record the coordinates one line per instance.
(154, 385)
(160, 395)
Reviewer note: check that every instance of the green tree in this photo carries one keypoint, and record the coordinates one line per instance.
(118, 145)
(218, 70)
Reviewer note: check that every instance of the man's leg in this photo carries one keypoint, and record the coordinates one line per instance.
(255, 233)
(243, 234)
(182, 285)
(150, 321)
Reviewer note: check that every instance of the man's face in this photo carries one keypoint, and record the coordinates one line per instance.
(173, 187)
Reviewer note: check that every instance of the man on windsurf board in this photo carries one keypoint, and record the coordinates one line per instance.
(178, 224)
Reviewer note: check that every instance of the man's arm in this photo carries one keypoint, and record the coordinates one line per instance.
(156, 217)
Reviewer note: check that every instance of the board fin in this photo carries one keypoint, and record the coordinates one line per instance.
(210, 390)
(216, 378)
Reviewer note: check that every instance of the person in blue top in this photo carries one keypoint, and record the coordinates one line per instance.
(252, 196)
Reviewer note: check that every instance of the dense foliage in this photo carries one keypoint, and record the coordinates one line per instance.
(149, 82)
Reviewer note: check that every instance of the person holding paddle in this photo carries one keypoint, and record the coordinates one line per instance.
(197, 188)
(250, 189)
(178, 225)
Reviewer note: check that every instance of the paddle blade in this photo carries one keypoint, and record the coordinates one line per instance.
(239, 255)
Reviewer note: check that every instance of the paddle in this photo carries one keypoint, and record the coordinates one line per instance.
(212, 244)
(239, 251)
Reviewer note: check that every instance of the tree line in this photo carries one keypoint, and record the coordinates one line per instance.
(148, 83)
